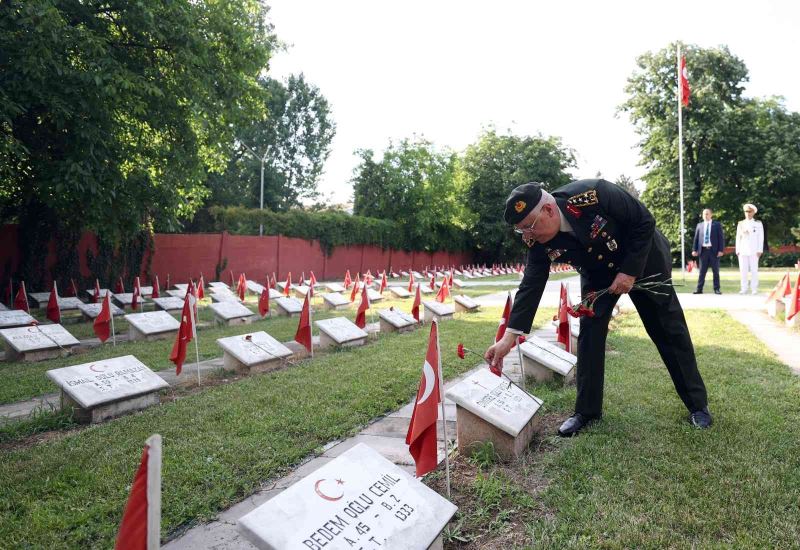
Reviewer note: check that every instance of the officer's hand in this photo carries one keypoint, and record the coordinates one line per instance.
(495, 354)
(719, 254)
(622, 284)
(694, 253)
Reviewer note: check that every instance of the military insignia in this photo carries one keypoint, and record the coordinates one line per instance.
(612, 245)
(553, 254)
(587, 198)
(530, 241)
(597, 225)
(574, 211)
(519, 206)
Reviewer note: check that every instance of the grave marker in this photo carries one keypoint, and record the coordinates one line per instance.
(231, 313)
(170, 303)
(393, 320)
(37, 343)
(438, 311)
(334, 300)
(339, 331)
(274, 294)
(464, 303)
(399, 291)
(288, 307)
(254, 287)
(545, 361)
(40, 298)
(374, 295)
(69, 303)
(335, 287)
(153, 325)
(300, 291)
(256, 352)
(15, 318)
(179, 294)
(90, 311)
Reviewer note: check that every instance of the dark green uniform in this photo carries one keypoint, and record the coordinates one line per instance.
(613, 232)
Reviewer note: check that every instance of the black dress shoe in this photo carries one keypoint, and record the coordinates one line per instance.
(718, 291)
(575, 424)
(701, 418)
(697, 292)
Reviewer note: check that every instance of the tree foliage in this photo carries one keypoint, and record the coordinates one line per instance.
(294, 139)
(736, 149)
(627, 184)
(112, 113)
(493, 167)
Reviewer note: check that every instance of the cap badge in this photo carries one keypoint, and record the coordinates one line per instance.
(519, 206)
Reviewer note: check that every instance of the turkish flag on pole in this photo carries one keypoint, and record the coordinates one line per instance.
(263, 301)
(201, 293)
(685, 91)
(233, 283)
(303, 334)
(73, 288)
(433, 282)
(21, 299)
(361, 316)
(141, 522)
(415, 307)
(302, 277)
(384, 283)
(563, 329)
(347, 280)
(444, 291)
(356, 285)
(102, 323)
(185, 334)
(242, 286)
(783, 288)
(313, 279)
(410, 280)
(156, 290)
(137, 294)
(287, 289)
(96, 295)
(793, 307)
(272, 283)
(421, 436)
(53, 311)
(120, 288)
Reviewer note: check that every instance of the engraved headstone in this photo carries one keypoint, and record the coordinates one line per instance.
(334, 300)
(180, 294)
(90, 311)
(288, 306)
(458, 283)
(301, 291)
(38, 299)
(152, 325)
(335, 287)
(374, 295)
(69, 303)
(125, 299)
(147, 291)
(170, 303)
(465, 303)
(339, 331)
(274, 294)
(425, 289)
(101, 295)
(417, 275)
(438, 311)
(36, 343)
(15, 318)
(221, 297)
(399, 291)
(545, 361)
(218, 284)
(488, 408)
(357, 500)
(231, 313)
(107, 388)
(257, 352)
(254, 287)
(394, 320)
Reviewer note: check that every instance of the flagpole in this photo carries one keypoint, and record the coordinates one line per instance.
(680, 163)
(311, 329)
(444, 417)
(154, 492)
(193, 313)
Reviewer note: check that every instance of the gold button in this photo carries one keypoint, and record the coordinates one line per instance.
(604, 234)
(589, 249)
(599, 256)
(611, 264)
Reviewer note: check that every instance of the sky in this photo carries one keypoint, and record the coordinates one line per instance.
(445, 70)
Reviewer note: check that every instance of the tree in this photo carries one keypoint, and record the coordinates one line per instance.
(296, 136)
(493, 167)
(416, 184)
(736, 149)
(112, 113)
(627, 184)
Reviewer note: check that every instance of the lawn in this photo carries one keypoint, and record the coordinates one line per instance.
(729, 280)
(642, 477)
(220, 445)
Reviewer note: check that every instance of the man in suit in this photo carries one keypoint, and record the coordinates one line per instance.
(611, 239)
(709, 243)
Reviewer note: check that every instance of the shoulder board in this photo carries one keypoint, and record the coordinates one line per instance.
(587, 198)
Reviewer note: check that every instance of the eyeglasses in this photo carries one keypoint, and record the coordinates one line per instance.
(523, 230)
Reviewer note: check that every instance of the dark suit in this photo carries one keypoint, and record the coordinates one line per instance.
(708, 254)
(613, 232)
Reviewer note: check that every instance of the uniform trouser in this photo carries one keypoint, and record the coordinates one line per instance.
(708, 259)
(748, 263)
(664, 322)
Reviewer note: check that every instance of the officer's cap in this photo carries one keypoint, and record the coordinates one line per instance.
(750, 206)
(521, 201)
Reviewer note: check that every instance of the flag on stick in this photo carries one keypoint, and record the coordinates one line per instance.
(272, 283)
(186, 332)
(288, 286)
(410, 280)
(347, 280)
(384, 283)
(361, 315)
(563, 328)
(141, 522)
(53, 311)
(421, 436)
(120, 288)
(73, 288)
(201, 292)
(263, 301)
(685, 91)
(444, 291)
(313, 280)
(96, 295)
(303, 335)
(783, 288)
(21, 299)
(433, 282)
(156, 290)
(354, 292)
(102, 323)
(415, 307)
(793, 307)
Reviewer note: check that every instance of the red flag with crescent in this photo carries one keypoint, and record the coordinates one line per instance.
(563, 328)
(287, 289)
(102, 323)
(263, 301)
(783, 288)
(185, 333)
(361, 316)
(201, 292)
(21, 299)
(384, 283)
(303, 335)
(53, 311)
(140, 527)
(410, 280)
(444, 291)
(354, 292)
(156, 290)
(421, 436)
(685, 91)
(417, 302)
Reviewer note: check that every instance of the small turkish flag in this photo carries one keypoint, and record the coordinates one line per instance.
(415, 307)
(563, 328)
(287, 289)
(120, 288)
(384, 283)
(263, 301)
(444, 291)
(421, 436)
(347, 280)
(137, 294)
(140, 528)
(361, 316)
(783, 288)
(410, 280)
(102, 323)
(685, 91)
(273, 283)
(53, 311)
(96, 295)
(313, 280)
(21, 299)
(356, 285)
(433, 282)
(793, 307)
(185, 334)
(201, 293)
(303, 335)
(156, 290)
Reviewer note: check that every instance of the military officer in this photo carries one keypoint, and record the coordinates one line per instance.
(611, 240)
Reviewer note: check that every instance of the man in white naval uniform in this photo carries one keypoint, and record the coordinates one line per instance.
(749, 247)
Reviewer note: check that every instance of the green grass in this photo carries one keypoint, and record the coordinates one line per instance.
(219, 445)
(729, 279)
(643, 477)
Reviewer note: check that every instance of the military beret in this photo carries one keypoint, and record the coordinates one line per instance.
(521, 201)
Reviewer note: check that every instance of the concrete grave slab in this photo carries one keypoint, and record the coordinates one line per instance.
(69, 303)
(37, 343)
(38, 299)
(15, 318)
(300, 291)
(339, 331)
(399, 291)
(254, 287)
(231, 313)
(170, 303)
(180, 294)
(103, 292)
(374, 295)
(464, 303)
(545, 361)
(89, 312)
(289, 307)
(254, 352)
(152, 325)
(438, 311)
(334, 300)
(394, 320)
(274, 294)
(335, 287)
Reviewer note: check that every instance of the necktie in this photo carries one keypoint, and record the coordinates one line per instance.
(707, 238)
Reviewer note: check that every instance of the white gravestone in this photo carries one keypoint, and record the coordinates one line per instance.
(182, 287)
(254, 287)
(289, 307)
(774, 307)
(466, 275)
(126, 299)
(458, 283)
(170, 303)
(100, 295)
(335, 287)
(152, 325)
(417, 275)
(231, 313)
(425, 289)
(334, 300)
(15, 318)
(147, 291)
(437, 310)
(274, 294)
(222, 297)
(301, 291)
(339, 331)
(41, 299)
(393, 320)
(357, 500)
(107, 388)
(545, 361)
(180, 294)
(3, 307)
(89, 312)
(218, 284)
(36, 343)
(256, 352)
(488, 408)
(465, 303)
(374, 295)
(69, 303)
(399, 291)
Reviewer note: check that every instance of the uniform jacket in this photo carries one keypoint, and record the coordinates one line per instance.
(715, 236)
(614, 232)
(749, 242)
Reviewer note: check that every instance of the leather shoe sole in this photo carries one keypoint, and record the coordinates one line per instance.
(574, 424)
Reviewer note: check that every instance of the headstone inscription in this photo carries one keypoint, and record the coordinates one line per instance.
(152, 325)
(15, 318)
(288, 307)
(464, 303)
(545, 361)
(357, 500)
(231, 313)
(255, 352)
(394, 320)
(107, 388)
(339, 331)
(438, 311)
(90, 311)
(334, 300)
(37, 343)
(488, 408)
(170, 303)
